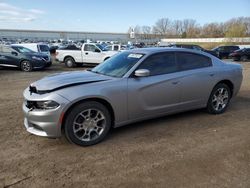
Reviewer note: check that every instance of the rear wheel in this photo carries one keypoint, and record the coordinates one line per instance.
(69, 62)
(26, 66)
(219, 99)
(87, 123)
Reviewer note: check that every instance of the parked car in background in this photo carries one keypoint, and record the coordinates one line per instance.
(241, 55)
(69, 47)
(89, 53)
(194, 47)
(36, 47)
(224, 51)
(117, 47)
(23, 58)
(131, 86)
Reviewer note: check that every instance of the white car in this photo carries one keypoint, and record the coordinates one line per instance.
(89, 53)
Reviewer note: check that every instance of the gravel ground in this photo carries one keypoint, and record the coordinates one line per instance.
(191, 149)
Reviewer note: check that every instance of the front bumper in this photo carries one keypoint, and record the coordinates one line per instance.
(45, 123)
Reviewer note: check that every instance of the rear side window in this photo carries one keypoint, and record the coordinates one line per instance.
(161, 63)
(189, 61)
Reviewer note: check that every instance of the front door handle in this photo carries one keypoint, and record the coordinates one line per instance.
(86, 53)
(212, 74)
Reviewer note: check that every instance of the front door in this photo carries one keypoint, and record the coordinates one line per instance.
(158, 93)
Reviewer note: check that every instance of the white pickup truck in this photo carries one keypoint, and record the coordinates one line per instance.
(89, 53)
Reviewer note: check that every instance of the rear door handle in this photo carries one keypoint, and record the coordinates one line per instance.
(86, 53)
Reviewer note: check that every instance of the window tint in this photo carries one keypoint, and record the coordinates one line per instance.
(116, 48)
(187, 61)
(108, 48)
(161, 63)
(89, 47)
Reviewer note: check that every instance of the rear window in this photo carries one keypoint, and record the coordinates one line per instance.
(189, 61)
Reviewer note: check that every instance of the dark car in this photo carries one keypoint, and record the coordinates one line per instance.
(224, 51)
(241, 55)
(23, 58)
(69, 47)
(194, 47)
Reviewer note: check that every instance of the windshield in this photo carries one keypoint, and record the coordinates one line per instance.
(22, 49)
(44, 48)
(101, 47)
(118, 65)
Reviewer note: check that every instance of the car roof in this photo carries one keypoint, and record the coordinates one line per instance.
(154, 50)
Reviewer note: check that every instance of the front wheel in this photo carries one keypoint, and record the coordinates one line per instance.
(26, 66)
(219, 99)
(87, 123)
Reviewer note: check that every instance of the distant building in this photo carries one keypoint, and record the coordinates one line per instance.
(11, 34)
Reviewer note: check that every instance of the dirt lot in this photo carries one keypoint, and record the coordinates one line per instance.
(192, 149)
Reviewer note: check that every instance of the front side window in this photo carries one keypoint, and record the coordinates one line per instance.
(188, 61)
(161, 63)
(90, 48)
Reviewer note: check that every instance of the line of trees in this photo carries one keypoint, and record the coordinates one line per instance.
(189, 28)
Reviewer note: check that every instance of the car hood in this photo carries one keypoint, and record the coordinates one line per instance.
(67, 79)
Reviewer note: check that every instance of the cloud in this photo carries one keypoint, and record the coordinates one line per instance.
(10, 13)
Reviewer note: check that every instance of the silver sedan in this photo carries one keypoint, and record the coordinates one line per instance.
(129, 87)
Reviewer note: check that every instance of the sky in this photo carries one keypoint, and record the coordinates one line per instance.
(113, 15)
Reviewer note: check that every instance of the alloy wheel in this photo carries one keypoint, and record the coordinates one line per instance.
(220, 99)
(89, 124)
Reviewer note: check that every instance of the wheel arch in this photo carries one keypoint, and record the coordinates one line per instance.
(95, 99)
(67, 56)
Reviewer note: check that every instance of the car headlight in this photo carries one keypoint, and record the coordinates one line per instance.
(46, 105)
(36, 58)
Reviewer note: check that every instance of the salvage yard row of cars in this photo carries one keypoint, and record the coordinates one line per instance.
(31, 56)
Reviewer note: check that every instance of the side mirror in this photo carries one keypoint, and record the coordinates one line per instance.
(97, 50)
(142, 73)
(14, 53)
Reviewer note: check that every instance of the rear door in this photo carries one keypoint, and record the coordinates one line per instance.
(158, 93)
(7, 58)
(198, 78)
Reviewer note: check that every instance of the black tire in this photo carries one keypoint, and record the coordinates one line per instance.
(76, 114)
(26, 66)
(211, 104)
(243, 58)
(69, 62)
